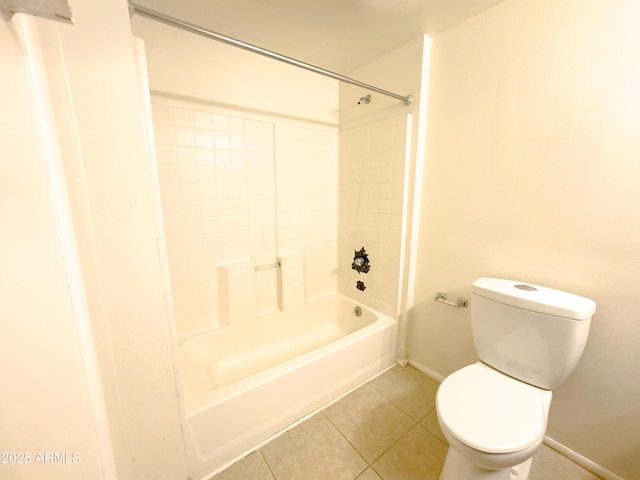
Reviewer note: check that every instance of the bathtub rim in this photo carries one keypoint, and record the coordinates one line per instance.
(184, 340)
(195, 402)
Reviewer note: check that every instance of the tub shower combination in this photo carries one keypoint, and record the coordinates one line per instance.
(244, 384)
(259, 373)
(256, 375)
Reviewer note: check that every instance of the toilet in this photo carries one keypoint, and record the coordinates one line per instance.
(494, 412)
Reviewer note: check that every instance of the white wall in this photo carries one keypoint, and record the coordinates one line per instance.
(399, 71)
(94, 90)
(532, 173)
(46, 405)
(192, 67)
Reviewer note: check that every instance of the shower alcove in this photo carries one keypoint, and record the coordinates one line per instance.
(269, 177)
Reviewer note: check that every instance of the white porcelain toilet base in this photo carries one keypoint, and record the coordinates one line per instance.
(456, 467)
(522, 470)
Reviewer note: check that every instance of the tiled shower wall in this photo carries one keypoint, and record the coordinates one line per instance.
(371, 181)
(226, 199)
(307, 196)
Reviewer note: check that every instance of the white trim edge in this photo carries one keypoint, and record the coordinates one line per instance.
(578, 459)
(427, 370)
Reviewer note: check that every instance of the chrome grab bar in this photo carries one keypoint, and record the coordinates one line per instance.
(266, 265)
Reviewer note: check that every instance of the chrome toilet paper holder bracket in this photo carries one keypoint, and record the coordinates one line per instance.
(460, 303)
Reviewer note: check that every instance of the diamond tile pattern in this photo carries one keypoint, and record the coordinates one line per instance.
(385, 430)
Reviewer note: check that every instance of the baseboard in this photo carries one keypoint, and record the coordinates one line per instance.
(426, 370)
(578, 459)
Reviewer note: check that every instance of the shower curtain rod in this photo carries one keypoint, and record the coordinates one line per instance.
(174, 22)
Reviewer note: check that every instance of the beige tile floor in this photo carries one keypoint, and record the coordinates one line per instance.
(385, 430)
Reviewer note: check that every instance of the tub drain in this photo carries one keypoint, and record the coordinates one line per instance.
(358, 311)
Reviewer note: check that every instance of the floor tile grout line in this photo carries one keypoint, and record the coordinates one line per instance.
(350, 444)
(408, 414)
(266, 462)
(400, 407)
(398, 441)
(371, 464)
(386, 450)
(391, 446)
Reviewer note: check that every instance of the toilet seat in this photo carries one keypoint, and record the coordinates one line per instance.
(490, 411)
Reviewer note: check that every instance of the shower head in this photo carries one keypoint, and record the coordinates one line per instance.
(53, 9)
(366, 100)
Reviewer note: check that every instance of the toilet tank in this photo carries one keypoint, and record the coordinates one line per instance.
(533, 333)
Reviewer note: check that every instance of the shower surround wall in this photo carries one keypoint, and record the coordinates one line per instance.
(381, 147)
(307, 188)
(371, 182)
(230, 205)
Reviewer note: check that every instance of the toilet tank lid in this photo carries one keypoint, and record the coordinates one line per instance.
(535, 298)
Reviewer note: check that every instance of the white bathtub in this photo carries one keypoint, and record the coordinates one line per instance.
(242, 385)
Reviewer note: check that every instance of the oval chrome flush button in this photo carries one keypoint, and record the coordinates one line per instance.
(527, 288)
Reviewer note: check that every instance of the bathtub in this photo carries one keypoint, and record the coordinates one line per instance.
(243, 385)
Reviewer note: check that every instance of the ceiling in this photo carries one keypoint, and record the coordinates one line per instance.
(337, 35)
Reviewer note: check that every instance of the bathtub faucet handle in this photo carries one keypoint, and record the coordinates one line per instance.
(360, 261)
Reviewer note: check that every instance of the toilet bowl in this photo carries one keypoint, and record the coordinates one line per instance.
(493, 423)
(494, 413)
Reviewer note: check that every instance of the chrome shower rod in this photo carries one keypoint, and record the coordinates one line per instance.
(174, 22)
